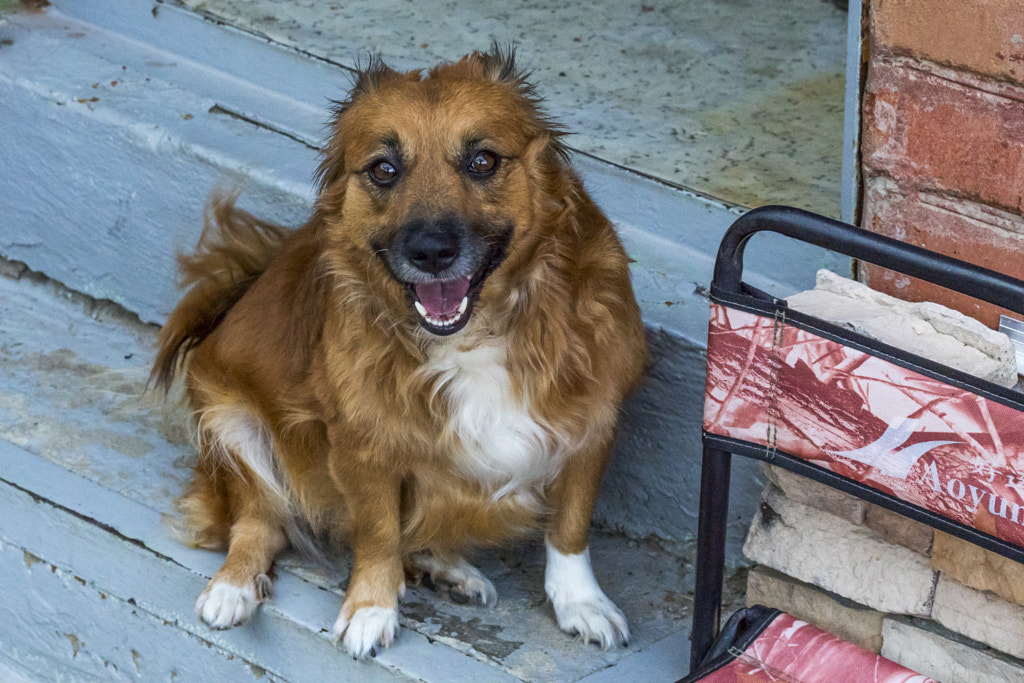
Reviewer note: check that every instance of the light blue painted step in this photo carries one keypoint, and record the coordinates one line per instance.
(118, 120)
(96, 585)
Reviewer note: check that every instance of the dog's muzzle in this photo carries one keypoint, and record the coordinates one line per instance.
(443, 263)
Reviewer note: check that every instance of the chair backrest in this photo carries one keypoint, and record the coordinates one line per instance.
(917, 437)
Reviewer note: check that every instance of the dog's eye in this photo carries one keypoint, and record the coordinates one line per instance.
(383, 172)
(483, 163)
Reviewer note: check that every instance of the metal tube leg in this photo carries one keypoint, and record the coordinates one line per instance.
(711, 527)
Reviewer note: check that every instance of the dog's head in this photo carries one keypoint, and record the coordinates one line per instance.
(432, 179)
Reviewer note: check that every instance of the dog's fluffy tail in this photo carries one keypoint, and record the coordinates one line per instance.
(233, 251)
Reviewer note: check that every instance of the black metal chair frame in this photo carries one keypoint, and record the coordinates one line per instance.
(727, 288)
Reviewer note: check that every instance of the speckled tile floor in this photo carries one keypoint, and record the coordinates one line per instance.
(737, 99)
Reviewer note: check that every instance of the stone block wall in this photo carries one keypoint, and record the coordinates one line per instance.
(889, 589)
(899, 588)
(927, 600)
(943, 137)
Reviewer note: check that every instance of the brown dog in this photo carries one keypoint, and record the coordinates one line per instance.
(434, 362)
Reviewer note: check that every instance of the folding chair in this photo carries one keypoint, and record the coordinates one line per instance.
(890, 427)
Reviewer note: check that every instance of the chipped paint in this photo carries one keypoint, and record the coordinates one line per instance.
(76, 644)
(79, 376)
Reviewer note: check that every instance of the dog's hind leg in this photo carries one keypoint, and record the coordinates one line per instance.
(242, 582)
(451, 575)
(239, 458)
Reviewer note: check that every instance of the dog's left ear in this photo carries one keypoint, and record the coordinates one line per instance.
(499, 65)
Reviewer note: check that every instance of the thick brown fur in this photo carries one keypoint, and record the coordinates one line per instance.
(320, 399)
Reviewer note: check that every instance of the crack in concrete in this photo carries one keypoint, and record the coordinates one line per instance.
(220, 109)
(43, 500)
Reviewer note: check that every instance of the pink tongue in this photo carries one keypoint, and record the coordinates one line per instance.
(442, 299)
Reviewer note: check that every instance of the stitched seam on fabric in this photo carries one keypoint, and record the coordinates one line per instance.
(904, 360)
(771, 440)
(751, 660)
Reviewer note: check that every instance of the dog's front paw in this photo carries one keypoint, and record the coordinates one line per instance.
(223, 604)
(596, 620)
(581, 607)
(368, 628)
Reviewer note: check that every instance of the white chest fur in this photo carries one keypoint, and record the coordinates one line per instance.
(501, 444)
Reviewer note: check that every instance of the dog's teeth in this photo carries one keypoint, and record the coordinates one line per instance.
(436, 321)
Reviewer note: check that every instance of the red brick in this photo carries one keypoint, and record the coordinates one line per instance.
(931, 133)
(983, 36)
(936, 224)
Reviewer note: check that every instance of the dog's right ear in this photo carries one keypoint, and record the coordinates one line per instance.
(369, 77)
(365, 80)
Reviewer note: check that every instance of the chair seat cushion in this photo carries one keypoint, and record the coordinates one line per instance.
(762, 644)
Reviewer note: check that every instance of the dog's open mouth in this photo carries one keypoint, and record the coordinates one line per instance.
(444, 305)
(443, 298)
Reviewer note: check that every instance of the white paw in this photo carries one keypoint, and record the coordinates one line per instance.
(593, 621)
(462, 579)
(581, 607)
(368, 628)
(223, 604)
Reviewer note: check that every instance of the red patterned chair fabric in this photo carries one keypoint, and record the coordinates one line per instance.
(914, 436)
(927, 442)
(779, 648)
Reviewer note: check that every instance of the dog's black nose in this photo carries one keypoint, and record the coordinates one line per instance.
(432, 248)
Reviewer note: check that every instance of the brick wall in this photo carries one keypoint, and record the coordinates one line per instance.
(943, 137)
(943, 168)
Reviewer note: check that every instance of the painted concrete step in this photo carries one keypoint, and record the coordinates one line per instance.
(141, 112)
(119, 130)
(740, 100)
(110, 145)
(99, 588)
